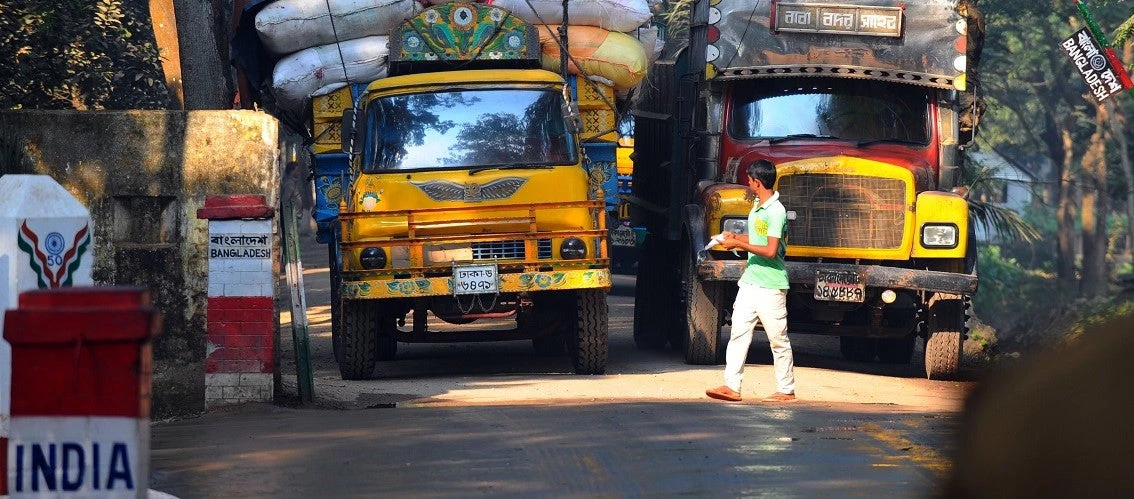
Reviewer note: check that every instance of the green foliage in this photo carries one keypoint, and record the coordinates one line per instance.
(79, 54)
(1014, 299)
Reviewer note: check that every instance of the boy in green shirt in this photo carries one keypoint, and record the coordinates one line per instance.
(762, 293)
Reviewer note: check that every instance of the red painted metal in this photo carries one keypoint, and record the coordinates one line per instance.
(236, 207)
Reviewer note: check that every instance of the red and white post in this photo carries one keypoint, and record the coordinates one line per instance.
(81, 368)
(240, 352)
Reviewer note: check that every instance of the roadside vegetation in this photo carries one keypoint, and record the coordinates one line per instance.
(1061, 265)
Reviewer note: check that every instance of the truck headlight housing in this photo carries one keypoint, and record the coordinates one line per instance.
(735, 225)
(372, 258)
(573, 248)
(939, 236)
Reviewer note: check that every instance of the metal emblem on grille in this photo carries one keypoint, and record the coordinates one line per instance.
(445, 190)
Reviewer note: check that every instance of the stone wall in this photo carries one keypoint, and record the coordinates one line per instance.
(143, 175)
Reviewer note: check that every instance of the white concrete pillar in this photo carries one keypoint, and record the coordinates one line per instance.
(46, 241)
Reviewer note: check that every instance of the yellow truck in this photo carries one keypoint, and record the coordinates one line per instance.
(466, 198)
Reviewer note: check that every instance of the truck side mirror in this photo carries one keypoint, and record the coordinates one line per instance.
(347, 134)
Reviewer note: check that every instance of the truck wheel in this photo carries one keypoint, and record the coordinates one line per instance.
(945, 325)
(648, 332)
(858, 349)
(359, 346)
(588, 345)
(336, 299)
(702, 318)
(896, 351)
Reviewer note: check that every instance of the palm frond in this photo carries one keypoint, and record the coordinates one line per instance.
(994, 218)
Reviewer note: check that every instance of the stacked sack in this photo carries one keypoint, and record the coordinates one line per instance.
(604, 37)
(305, 32)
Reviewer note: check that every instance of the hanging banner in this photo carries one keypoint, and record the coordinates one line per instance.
(1093, 65)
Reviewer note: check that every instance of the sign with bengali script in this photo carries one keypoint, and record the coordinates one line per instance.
(839, 19)
(1102, 79)
(240, 246)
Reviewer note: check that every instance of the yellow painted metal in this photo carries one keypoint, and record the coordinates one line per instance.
(730, 200)
(624, 163)
(385, 288)
(846, 165)
(725, 201)
(425, 220)
(941, 207)
(384, 204)
(445, 79)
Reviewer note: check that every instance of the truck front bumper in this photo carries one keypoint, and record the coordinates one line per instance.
(876, 276)
(416, 287)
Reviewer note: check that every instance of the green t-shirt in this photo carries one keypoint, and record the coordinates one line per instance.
(769, 219)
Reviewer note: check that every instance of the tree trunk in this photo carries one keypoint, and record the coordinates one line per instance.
(165, 34)
(202, 31)
(1117, 118)
(1065, 216)
(1094, 209)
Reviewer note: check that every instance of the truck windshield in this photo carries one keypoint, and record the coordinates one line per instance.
(467, 129)
(855, 110)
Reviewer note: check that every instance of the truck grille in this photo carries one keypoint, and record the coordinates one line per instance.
(508, 250)
(498, 250)
(844, 211)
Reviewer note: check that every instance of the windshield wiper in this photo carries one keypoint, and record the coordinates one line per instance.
(475, 171)
(795, 136)
(890, 141)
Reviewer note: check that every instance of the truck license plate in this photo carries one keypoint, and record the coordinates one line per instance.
(839, 285)
(622, 236)
(475, 279)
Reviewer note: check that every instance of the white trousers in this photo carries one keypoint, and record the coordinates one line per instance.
(768, 307)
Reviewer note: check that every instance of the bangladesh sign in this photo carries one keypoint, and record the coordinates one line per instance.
(1093, 65)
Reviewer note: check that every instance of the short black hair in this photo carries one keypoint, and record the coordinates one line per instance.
(764, 171)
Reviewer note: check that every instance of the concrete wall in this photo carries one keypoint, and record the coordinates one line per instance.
(143, 175)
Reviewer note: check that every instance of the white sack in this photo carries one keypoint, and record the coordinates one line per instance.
(318, 70)
(286, 26)
(650, 42)
(611, 15)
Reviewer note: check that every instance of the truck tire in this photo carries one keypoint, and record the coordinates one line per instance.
(945, 324)
(858, 349)
(336, 280)
(703, 307)
(588, 341)
(896, 351)
(359, 345)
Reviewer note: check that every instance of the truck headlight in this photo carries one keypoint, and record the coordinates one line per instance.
(735, 225)
(573, 248)
(372, 258)
(939, 235)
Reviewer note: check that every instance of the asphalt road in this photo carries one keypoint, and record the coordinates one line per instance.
(496, 419)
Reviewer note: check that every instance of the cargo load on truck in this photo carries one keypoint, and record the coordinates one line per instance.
(859, 103)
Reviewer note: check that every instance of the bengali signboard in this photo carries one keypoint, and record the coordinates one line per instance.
(1093, 66)
(240, 246)
(839, 19)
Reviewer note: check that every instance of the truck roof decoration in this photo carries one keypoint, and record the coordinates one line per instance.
(920, 42)
(463, 36)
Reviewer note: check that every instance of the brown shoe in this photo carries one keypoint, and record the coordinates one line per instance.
(780, 397)
(723, 393)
